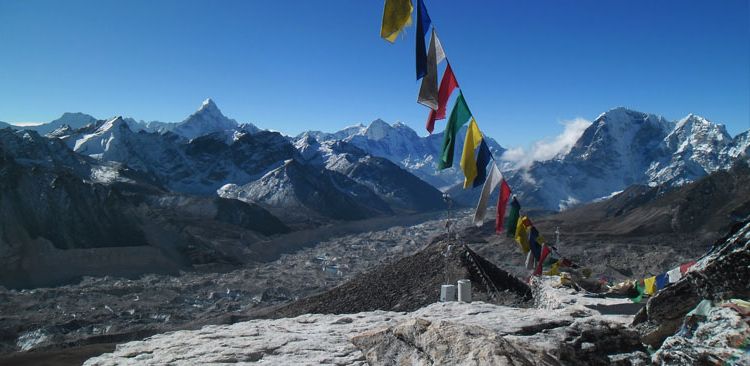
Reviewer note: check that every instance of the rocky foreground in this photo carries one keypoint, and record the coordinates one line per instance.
(564, 327)
(442, 333)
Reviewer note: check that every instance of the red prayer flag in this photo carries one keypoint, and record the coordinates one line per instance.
(502, 203)
(447, 84)
(542, 257)
(684, 267)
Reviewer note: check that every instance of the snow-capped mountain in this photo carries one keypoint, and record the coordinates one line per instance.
(399, 188)
(621, 148)
(304, 191)
(698, 147)
(401, 145)
(263, 167)
(198, 166)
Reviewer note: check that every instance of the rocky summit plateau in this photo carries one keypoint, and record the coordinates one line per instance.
(210, 241)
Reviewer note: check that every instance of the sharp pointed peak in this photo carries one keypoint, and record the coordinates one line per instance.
(208, 103)
(208, 106)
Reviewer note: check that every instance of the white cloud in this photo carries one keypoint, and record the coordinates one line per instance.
(26, 124)
(548, 148)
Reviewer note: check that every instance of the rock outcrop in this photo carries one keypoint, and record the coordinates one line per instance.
(720, 275)
(719, 339)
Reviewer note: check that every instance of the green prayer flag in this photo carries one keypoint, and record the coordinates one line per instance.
(459, 116)
(640, 290)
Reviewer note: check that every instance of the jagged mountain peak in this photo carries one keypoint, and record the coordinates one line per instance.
(378, 129)
(115, 122)
(693, 123)
(208, 103)
(308, 147)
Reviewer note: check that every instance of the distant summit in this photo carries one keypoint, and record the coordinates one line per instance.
(73, 120)
(403, 146)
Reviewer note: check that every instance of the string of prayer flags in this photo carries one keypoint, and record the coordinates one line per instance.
(396, 16)
(510, 224)
(476, 154)
(489, 185)
(502, 203)
(522, 233)
(459, 116)
(447, 84)
(423, 23)
(468, 162)
(483, 158)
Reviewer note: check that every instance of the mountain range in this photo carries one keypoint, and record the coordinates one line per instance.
(256, 166)
(208, 150)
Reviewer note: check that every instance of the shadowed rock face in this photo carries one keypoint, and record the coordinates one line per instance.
(65, 216)
(402, 190)
(721, 275)
(297, 191)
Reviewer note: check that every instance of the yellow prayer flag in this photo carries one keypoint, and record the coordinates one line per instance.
(522, 233)
(468, 160)
(650, 284)
(396, 16)
(554, 269)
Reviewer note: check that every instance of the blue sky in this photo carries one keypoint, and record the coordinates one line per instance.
(524, 66)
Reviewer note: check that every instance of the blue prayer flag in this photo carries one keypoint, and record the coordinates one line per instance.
(483, 158)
